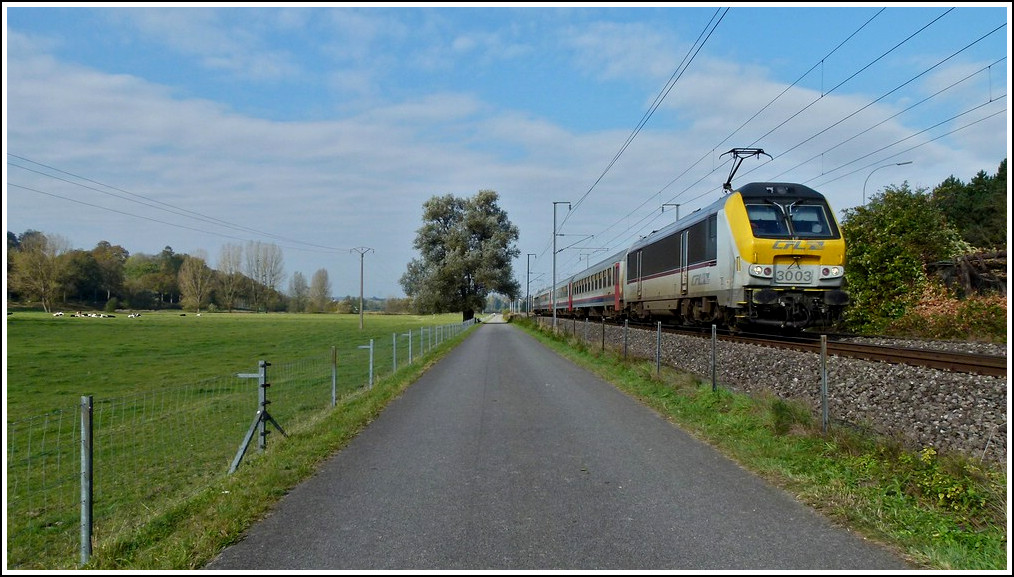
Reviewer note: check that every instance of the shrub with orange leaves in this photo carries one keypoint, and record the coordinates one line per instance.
(940, 315)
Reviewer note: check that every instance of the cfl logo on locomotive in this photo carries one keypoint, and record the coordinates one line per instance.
(798, 244)
(700, 279)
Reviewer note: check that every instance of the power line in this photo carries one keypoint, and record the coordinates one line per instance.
(893, 116)
(676, 75)
(854, 74)
(654, 216)
(117, 211)
(151, 204)
(942, 122)
(992, 98)
(733, 133)
(362, 250)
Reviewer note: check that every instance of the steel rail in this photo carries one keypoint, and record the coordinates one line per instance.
(971, 363)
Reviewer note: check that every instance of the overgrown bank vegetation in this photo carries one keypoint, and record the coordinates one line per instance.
(930, 263)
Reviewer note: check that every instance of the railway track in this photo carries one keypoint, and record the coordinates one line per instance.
(990, 365)
(961, 362)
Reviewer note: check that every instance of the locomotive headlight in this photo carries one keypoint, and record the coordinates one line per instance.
(760, 270)
(831, 272)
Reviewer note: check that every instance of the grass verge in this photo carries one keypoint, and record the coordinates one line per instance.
(190, 534)
(937, 511)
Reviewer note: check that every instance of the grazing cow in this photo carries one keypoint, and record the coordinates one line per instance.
(58, 314)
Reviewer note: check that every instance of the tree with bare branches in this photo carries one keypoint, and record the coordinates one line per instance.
(36, 267)
(230, 274)
(264, 266)
(320, 291)
(195, 280)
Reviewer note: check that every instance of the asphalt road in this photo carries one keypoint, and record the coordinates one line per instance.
(504, 456)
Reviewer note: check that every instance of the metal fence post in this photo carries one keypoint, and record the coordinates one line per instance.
(262, 417)
(86, 479)
(262, 402)
(370, 346)
(603, 334)
(658, 350)
(823, 382)
(626, 323)
(394, 349)
(334, 376)
(714, 362)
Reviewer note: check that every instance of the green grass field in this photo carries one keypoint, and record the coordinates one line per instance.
(166, 503)
(170, 414)
(53, 361)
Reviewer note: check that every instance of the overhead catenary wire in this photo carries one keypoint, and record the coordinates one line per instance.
(852, 76)
(734, 132)
(992, 98)
(834, 88)
(676, 75)
(653, 215)
(673, 79)
(860, 169)
(941, 123)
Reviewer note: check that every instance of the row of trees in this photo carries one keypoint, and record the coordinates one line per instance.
(466, 246)
(43, 268)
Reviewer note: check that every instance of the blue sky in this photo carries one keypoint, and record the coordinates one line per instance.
(325, 127)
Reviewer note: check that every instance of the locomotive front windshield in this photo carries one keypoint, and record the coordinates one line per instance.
(800, 218)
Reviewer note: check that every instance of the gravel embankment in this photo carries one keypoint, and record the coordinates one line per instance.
(924, 407)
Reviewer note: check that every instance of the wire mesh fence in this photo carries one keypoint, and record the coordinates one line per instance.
(156, 448)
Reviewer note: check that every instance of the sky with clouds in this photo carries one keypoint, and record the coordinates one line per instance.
(324, 128)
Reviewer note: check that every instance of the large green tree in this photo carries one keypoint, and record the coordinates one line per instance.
(111, 260)
(80, 277)
(466, 247)
(978, 210)
(167, 282)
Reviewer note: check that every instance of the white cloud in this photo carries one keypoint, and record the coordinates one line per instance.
(614, 51)
(360, 179)
(219, 42)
